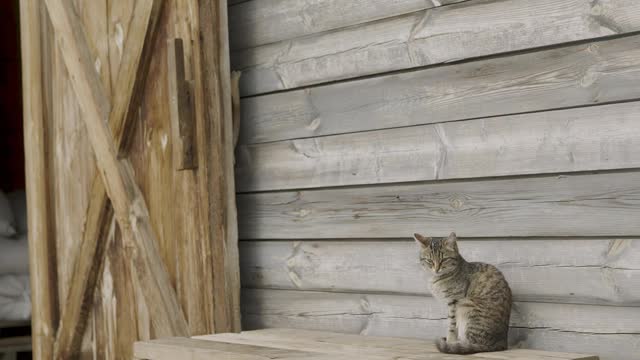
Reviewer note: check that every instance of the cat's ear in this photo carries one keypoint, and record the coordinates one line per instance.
(422, 240)
(451, 241)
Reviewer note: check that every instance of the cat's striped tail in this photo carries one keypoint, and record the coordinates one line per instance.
(462, 348)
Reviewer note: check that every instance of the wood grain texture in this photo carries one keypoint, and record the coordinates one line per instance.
(42, 250)
(129, 205)
(217, 145)
(342, 345)
(434, 36)
(553, 270)
(174, 348)
(254, 23)
(235, 105)
(548, 142)
(551, 327)
(303, 344)
(585, 74)
(181, 100)
(89, 258)
(580, 205)
(418, 348)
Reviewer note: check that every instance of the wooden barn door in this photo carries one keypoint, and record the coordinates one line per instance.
(130, 186)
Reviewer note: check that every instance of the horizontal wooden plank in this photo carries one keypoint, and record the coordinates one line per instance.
(554, 270)
(609, 331)
(262, 22)
(381, 347)
(602, 71)
(554, 206)
(591, 138)
(174, 348)
(434, 36)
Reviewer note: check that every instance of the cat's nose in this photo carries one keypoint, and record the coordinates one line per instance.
(437, 267)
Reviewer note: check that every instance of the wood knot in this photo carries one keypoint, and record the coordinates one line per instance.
(457, 202)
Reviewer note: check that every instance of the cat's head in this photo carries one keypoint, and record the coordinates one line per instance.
(439, 255)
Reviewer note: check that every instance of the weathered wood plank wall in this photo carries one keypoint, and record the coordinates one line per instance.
(513, 122)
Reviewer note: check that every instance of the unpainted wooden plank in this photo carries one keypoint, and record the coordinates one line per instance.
(550, 270)
(533, 325)
(173, 348)
(434, 36)
(529, 353)
(254, 23)
(235, 103)
(592, 138)
(425, 315)
(119, 19)
(329, 338)
(89, 257)
(602, 71)
(129, 205)
(336, 350)
(341, 349)
(301, 344)
(394, 344)
(215, 144)
(42, 248)
(181, 100)
(564, 205)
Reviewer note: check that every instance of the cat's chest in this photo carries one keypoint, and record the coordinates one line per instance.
(448, 289)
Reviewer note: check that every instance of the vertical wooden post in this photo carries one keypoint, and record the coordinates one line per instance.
(42, 248)
(217, 144)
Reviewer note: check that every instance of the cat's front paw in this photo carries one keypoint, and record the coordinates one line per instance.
(441, 344)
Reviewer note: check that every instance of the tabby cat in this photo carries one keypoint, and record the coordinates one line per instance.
(477, 294)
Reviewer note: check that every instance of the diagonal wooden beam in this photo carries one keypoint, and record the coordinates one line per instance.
(89, 258)
(117, 175)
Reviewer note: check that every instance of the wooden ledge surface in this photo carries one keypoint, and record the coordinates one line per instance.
(294, 344)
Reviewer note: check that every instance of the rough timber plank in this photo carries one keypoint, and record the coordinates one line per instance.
(89, 259)
(216, 146)
(129, 206)
(578, 75)
(533, 324)
(175, 348)
(417, 346)
(553, 270)
(567, 205)
(359, 346)
(42, 249)
(294, 344)
(435, 36)
(394, 345)
(261, 22)
(592, 138)
(381, 315)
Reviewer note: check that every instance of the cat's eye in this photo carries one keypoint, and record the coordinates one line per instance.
(447, 260)
(427, 261)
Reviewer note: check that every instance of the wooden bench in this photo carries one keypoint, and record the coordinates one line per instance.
(293, 344)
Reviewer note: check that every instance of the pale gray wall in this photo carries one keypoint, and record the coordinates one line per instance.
(512, 122)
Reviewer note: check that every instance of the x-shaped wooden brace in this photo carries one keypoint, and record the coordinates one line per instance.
(115, 185)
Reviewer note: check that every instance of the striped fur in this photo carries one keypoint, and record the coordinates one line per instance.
(477, 295)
